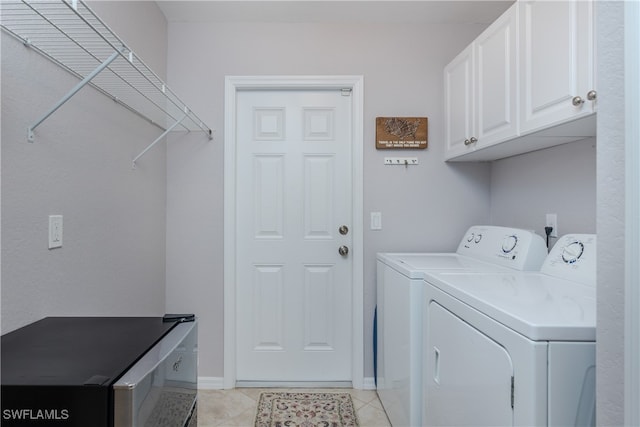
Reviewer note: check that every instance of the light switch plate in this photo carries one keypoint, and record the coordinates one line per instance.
(55, 231)
(376, 220)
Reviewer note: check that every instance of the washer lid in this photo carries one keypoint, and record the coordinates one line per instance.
(540, 307)
(413, 265)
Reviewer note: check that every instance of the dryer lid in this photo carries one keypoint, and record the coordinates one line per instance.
(538, 306)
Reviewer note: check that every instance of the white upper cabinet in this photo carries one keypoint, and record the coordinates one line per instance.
(481, 95)
(526, 83)
(557, 72)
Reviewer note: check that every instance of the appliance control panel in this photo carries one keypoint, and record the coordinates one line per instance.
(509, 247)
(573, 257)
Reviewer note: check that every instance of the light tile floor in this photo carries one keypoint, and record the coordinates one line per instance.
(237, 407)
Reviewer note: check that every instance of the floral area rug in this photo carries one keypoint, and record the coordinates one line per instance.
(284, 409)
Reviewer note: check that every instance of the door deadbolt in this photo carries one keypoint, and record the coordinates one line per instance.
(343, 250)
(343, 230)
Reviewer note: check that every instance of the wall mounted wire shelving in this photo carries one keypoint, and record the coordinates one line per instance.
(70, 34)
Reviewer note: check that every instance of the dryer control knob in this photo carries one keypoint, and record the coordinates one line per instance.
(572, 252)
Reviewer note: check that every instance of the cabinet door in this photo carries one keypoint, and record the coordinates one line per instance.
(557, 61)
(496, 86)
(458, 103)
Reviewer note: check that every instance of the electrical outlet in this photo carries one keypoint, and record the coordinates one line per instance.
(55, 231)
(552, 221)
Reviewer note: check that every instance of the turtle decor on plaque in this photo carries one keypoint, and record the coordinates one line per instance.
(401, 132)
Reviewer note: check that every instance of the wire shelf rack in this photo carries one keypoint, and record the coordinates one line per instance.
(70, 34)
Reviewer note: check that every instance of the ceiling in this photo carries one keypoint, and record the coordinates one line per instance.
(335, 11)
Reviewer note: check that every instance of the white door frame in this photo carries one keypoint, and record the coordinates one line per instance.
(232, 85)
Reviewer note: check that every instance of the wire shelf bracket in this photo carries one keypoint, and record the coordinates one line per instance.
(68, 96)
(158, 139)
(71, 35)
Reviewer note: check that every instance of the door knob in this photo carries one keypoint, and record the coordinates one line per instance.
(343, 230)
(343, 250)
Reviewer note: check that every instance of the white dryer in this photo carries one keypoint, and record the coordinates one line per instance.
(400, 300)
(513, 348)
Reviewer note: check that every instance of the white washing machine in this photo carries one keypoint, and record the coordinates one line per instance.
(400, 300)
(513, 348)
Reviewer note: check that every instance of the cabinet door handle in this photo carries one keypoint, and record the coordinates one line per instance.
(577, 101)
(470, 141)
(592, 95)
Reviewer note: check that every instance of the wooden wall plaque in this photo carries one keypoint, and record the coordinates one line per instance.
(401, 132)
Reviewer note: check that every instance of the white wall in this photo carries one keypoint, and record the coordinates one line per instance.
(632, 219)
(610, 378)
(426, 207)
(113, 258)
(560, 180)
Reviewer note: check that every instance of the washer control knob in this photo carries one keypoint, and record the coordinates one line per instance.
(509, 243)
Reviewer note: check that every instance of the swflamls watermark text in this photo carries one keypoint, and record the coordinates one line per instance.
(35, 414)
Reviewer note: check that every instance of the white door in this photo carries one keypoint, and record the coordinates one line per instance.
(293, 213)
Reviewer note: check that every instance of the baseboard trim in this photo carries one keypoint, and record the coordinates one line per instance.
(294, 384)
(210, 383)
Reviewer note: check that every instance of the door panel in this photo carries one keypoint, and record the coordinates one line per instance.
(318, 197)
(294, 185)
(269, 196)
(319, 325)
(268, 307)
